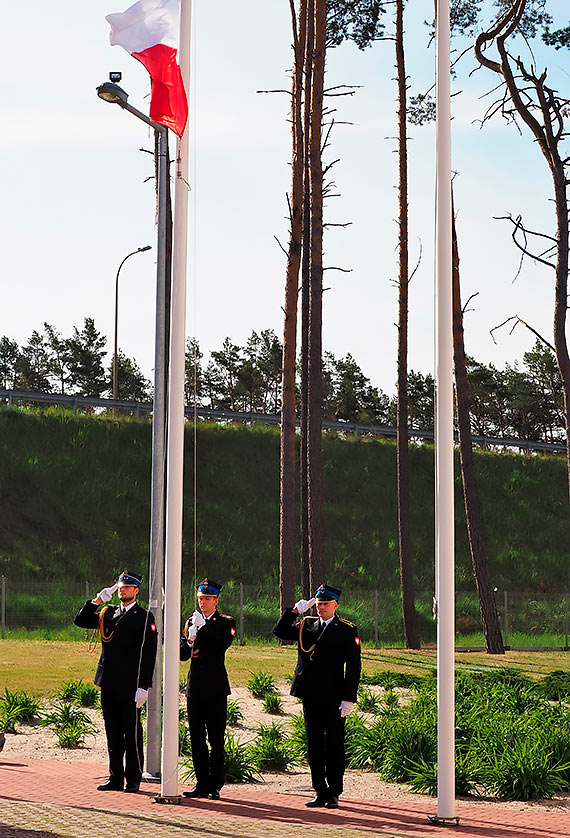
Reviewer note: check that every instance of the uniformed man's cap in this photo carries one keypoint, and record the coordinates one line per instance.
(208, 587)
(326, 593)
(126, 577)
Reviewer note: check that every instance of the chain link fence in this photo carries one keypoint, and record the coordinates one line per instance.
(527, 620)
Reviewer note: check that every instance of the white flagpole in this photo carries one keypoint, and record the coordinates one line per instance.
(175, 450)
(444, 432)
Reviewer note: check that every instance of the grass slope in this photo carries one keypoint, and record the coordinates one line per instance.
(74, 504)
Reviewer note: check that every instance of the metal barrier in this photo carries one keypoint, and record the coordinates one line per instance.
(49, 607)
(76, 402)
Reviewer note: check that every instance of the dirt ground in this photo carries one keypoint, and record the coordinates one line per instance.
(35, 742)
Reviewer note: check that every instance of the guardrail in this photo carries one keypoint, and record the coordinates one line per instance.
(78, 402)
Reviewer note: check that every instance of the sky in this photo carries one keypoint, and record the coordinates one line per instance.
(78, 194)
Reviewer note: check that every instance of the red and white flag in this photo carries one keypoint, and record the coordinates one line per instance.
(149, 30)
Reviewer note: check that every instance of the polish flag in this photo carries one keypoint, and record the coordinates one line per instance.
(149, 31)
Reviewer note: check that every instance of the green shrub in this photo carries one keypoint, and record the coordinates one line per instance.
(412, 741)
(272, 704)
(368, 702)
(389, 679)
(184, 747)
(423, 776)
(298, 736)
(365, 745)
(260, 684)
(239, 763)
(16, 707)
(555, 686)
(234, 715)
(273, 750)
(78, 692)
(73, 735)
(525, 771)
(70, 724)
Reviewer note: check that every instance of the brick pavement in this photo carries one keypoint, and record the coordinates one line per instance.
(55, 799)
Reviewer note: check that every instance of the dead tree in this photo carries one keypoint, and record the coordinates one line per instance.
(487, 605)
(526, 97)
(288, 517)
(411, 634)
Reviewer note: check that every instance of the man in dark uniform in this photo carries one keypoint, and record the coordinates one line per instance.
(124, 673)
(326, 679)
(207, 635)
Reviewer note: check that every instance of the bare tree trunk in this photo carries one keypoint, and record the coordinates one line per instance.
(287, 523)
(487, 605)
(544, 115)
(304, 447)
(314, 422)
(411, 634)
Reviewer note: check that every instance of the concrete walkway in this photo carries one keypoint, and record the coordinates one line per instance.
(53, 799)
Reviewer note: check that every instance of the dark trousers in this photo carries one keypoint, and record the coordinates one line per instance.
(124, 736)
(325, 746)
(207, 716)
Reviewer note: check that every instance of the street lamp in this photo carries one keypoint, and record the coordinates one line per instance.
(116, 351)
(111, 92)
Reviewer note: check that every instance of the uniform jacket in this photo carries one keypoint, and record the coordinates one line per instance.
(131, 633)
(207, 676)
(328, 666)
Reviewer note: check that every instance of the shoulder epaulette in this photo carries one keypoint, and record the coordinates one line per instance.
(348, 623)
(227, 616)
(311, 618)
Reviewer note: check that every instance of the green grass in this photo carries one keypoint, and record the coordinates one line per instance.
(75, 490)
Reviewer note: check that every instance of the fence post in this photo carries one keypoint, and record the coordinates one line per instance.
(506, 617)
(87, 590)
(241, 640)
(565, 622)
(376, 618)
(3, 606)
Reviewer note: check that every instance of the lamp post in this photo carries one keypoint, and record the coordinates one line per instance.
(110, 92)
(116, 349)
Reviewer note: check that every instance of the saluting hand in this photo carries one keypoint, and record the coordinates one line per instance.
(303, 605)
(105, 594)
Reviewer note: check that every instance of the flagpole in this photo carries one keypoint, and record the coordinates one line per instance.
(444, 432)
(175, 449)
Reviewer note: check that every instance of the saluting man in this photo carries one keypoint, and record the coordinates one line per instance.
(326, 680)
(207, 635)
(124, 673)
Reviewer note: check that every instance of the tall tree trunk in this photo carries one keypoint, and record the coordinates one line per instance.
(314, 382)
(411, 635)
(304, 445)
(288, 518)
(550, 136)
(487, 605)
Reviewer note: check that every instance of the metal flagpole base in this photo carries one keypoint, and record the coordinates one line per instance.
(168, 798)
(437, 821)
(149, 777)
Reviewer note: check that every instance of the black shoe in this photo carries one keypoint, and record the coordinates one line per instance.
(131, 787)
(318, 800)
(110, 785)
(332, 802)
(214, 795)
(195, 792)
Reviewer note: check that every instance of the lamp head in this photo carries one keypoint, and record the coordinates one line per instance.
(110, 92)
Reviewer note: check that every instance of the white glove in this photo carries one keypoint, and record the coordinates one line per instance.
(304, 605)
(345, 708)
(106, 594)
(198, 620)
(192, 632)
(140, 697)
